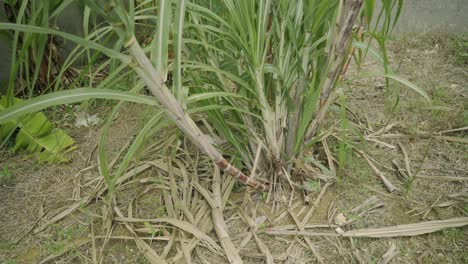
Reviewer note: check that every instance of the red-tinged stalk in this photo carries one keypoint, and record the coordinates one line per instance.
(174, 110)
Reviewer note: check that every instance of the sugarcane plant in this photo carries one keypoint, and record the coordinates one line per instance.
(263, 74)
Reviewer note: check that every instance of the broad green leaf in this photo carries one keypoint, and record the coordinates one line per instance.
(37, 135)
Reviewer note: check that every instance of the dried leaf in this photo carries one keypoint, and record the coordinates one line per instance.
(340, 219)
(408, 230)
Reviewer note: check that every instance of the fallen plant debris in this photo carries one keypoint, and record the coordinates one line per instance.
(301, 101)
(391, 253)
(392, 231)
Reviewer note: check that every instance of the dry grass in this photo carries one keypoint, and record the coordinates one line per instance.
(178, 189)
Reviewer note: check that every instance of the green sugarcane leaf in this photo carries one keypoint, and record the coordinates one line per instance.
(160, 44)
(68, 97)
(81, 41)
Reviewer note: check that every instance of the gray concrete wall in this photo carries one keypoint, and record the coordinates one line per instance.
(420, 16)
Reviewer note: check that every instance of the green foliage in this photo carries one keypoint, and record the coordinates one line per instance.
(281, 57)
(261, 73)
(61, 238)
(6, 176)
(313, 186)
(68, 97)
(36, 135)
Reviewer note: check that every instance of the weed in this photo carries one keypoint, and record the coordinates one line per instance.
(54, 247)
(261, 226)
(454, 235)
(458, 49)
(409, 182)
(61, 238)
(153, 231)
(356, 218)
(313, 186)
(407, 251)
(7, 178)
(161, 211)
(356, 167)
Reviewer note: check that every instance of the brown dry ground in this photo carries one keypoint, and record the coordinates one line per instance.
(31, 193)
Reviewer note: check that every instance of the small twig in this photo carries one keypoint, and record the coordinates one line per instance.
(285, 212)
(186, 252)
(390, 146)
(158, 238)
(214, 200)
(454, 130)
(218, 220)
(430, 207)
(306, 226)
(253, 228)
(93, 245)
(368, 203)
(406, 158)
(367, 206)
(389, 255)
(300, 226)
(358, 257)
(400, 171)
(427, 135)
(254, 169)
(98, 191)
(387, 183)
(316, 203)
(331, 164)
(384, 129)
(247, 254)
(442, 178)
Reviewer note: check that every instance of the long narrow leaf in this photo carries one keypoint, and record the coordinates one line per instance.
(68, 97)
(81, 41)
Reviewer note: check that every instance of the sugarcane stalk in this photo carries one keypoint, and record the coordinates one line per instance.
(345, 25)
(155, 83)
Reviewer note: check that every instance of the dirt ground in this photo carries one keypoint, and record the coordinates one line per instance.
(32, 194)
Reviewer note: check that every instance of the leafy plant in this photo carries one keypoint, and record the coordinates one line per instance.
(263, 74)
(36, 135)
(6, 176)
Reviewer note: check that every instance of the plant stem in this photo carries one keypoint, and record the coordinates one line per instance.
(169, 103)
(339, 55)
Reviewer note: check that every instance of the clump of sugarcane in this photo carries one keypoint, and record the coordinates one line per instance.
(115, 12)
(155, 76)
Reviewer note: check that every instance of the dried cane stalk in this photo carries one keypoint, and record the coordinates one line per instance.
(166, 99)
